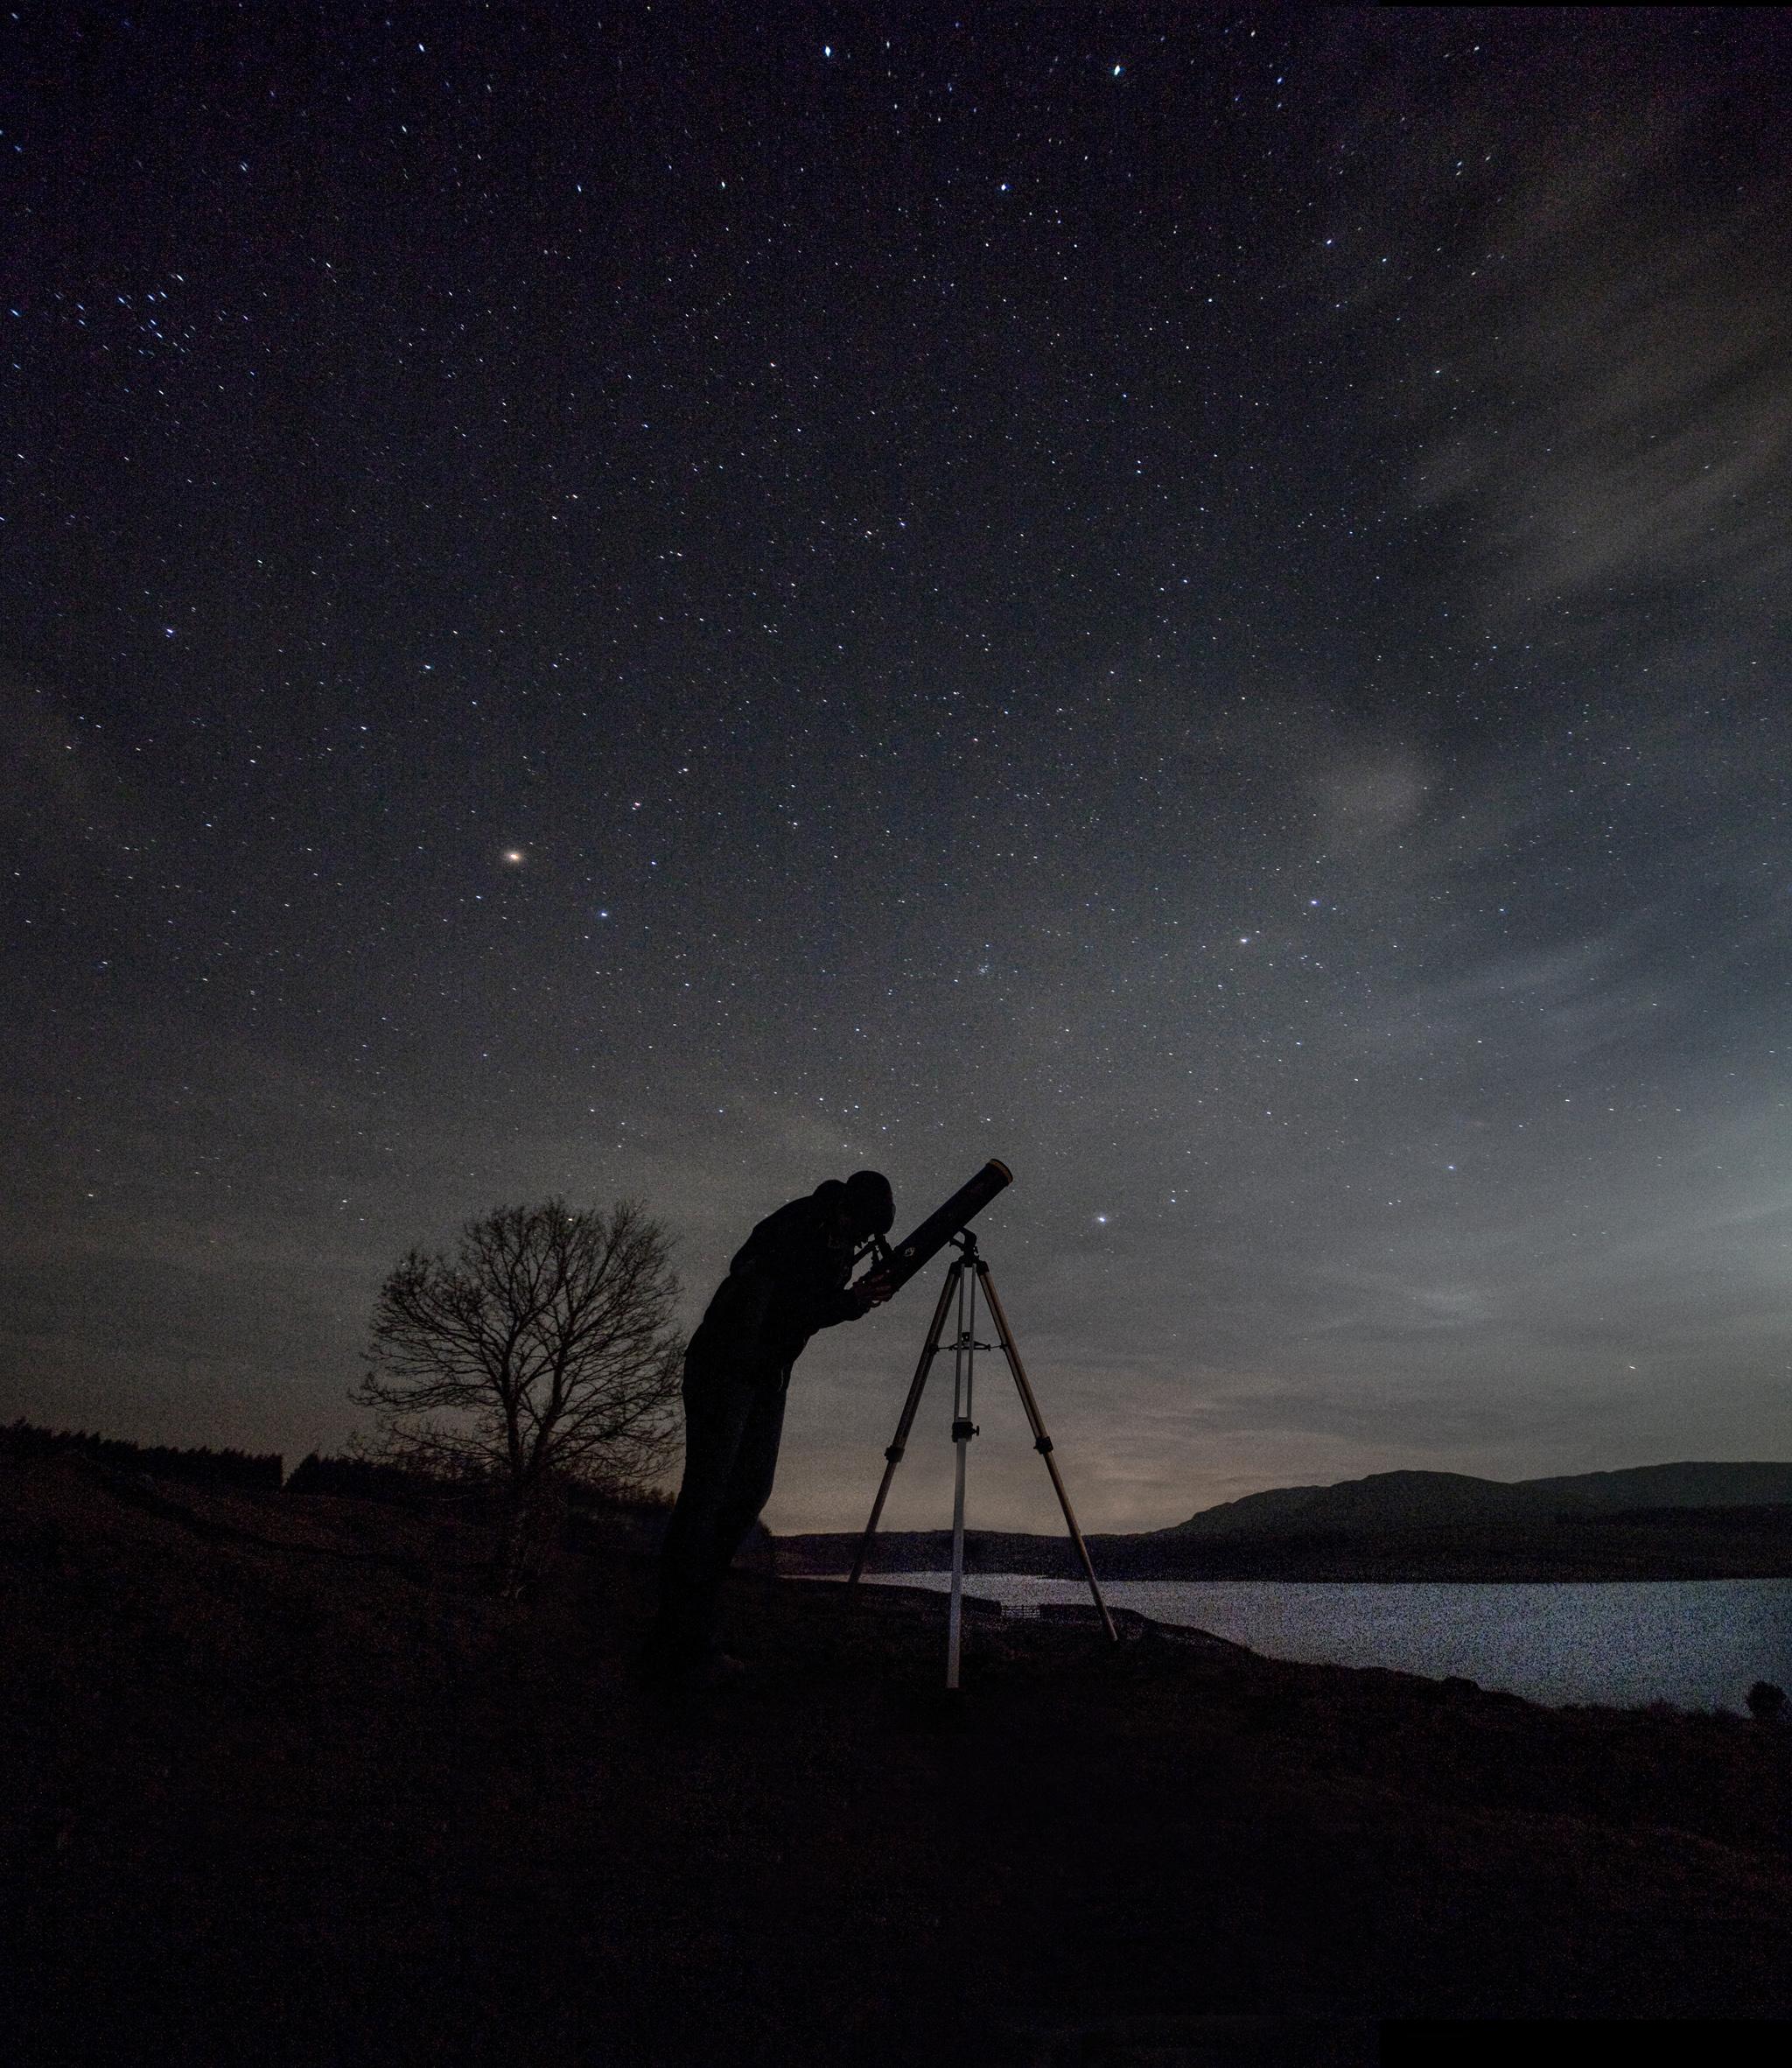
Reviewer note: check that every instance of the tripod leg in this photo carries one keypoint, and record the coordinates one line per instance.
(1041, 1443)
(963, 1430)
(930, 1349)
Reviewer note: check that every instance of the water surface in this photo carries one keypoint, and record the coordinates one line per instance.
(1698, 1643)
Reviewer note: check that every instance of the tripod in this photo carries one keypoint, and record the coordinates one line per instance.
(967, 1273)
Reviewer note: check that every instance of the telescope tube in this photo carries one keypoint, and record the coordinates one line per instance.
(910, 1255)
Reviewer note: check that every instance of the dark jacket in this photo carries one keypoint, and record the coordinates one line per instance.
(787, 1279)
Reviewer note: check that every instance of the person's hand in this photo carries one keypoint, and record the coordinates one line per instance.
(873, 1290)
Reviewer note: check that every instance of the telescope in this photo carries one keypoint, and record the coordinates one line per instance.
(918, 1250)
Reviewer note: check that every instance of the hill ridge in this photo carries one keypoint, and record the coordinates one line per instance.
(1409, 1498)
(1687, 1520)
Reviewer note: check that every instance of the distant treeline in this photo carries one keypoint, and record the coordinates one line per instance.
(364, 1479)
(201, 1465)
(367, 1479)
(356, 1478)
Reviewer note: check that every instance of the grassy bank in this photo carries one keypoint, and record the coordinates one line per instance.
(289, 1786)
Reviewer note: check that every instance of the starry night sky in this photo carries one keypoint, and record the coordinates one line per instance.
(674, 605)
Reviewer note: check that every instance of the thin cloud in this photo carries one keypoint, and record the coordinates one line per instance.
(1600, 336)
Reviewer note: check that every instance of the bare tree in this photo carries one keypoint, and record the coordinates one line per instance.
(542, 1353)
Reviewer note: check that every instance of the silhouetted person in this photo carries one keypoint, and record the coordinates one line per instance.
(787, 1280)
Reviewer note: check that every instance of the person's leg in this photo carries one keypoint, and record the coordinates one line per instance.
(755, 1469)
(748, 1488)
(719, 1402)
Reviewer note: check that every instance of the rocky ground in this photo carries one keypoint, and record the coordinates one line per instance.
(284, 1783)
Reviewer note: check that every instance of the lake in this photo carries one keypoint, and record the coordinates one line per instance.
(1698, 1643)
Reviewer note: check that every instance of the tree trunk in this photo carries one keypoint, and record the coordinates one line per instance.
(527, 1535)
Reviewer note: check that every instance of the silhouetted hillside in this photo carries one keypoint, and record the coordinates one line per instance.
(1658, 1522)
(1645, 1544)
(287, 1782)
(1386, 1501)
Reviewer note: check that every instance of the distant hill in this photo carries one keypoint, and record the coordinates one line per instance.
(1386, 1501)
(1691, 1521)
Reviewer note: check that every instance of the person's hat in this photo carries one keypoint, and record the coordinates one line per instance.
(872, 1200)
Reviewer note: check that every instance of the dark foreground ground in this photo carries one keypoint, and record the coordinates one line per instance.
(284, 1785)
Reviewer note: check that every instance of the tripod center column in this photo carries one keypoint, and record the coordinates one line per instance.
(962, 1431)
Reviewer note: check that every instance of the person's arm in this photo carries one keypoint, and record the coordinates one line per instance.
(838, 1303)
(792, 1248)
(851, 1303)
